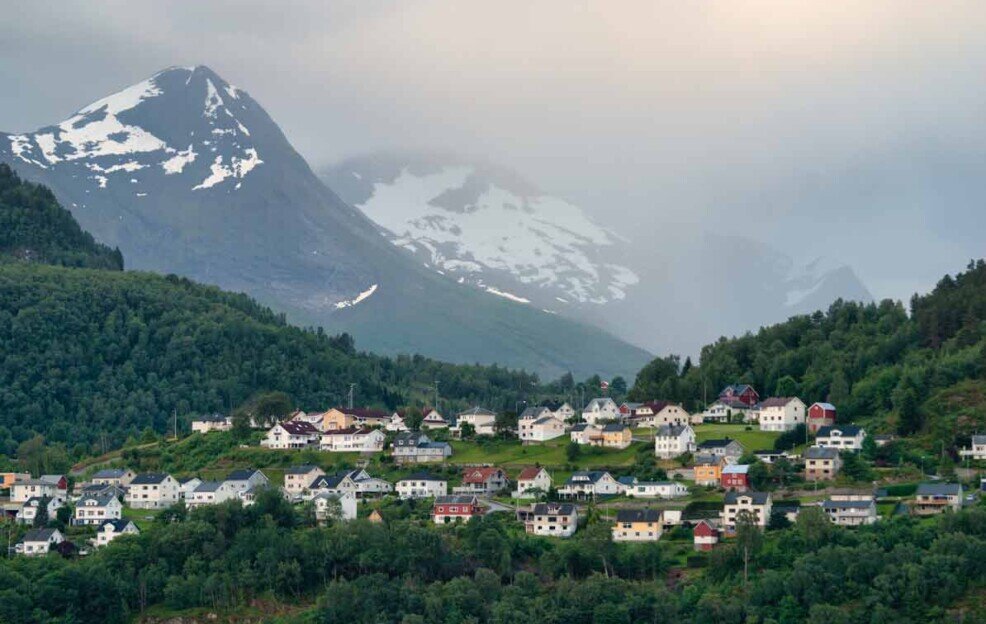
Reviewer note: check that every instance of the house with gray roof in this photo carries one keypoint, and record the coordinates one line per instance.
(936, 498)
(93, 509)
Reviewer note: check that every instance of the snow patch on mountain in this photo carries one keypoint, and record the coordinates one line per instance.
(506, 295)
(471, 226)
(363, 296)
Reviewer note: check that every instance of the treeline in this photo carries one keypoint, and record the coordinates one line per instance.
(871, 360)
(35, 228)
(89, 356)
(406, 570)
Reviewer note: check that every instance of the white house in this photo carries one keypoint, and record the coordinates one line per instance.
(542, 429)
(850, 510)
(589, 484)
(291, 435)
(52, 486)
(335, 506)
(601, 409)
(109, 530)
(552, 520)
(483, 421)
(670, 441)
(653, 489)
(757, 504)
(94, 509)
(211, 422)
(422, 485)
(726, 411)
(29, 510)
(298, 478)
(153, 490)
(396, 423)
(353, 440)
(240, 481)
(977, 451)
(38, 542)
(781, 413)
(210, 493)
(561, 410)
(187, 486)
(532, 479)
(359, 483)
(411, 447)
(842, 437)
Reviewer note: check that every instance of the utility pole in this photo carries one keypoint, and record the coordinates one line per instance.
(176, 423)
(352, 389)
(436, 396)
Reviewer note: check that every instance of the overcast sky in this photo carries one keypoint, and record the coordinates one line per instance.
(850, 129)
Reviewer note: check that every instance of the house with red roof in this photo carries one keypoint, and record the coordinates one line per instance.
(532, 480)
(657, 414)
(482, 481)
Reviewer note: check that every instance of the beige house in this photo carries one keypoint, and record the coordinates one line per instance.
(659, 414)
(821, 463)
(936, 498)
(298, 478)
(531, 480)
(120, 477)
(353, 440)
(638, 525)
(482, 420)
(547, 427)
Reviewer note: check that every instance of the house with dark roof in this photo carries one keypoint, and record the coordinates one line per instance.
(482, 420)
(153, 490)
(600, 410)
(726, 448)
(638, 525)
(756, 505)
(455, 508)
(658, 414)
(850, 510)
(976, 450)
(291, 434)
(822, 463)
(298, 478)
(936, 498)
(109, 530)
(742, 393)
(38, 542)
(120, 477)
(552, 520)
(781, 413)
(482, 481)
(671, 441)
(584, 433)
(842, 437)
(94, 509)
(28, 511)
(585, 484)
(414, 447)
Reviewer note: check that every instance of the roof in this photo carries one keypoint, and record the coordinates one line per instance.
(149, 478)
(480, 475)
(349, 431)
(39, 535)
(627, 480)
(102, 499)
(614, 428)
(939, 489)
(533, 412)
(776, 401)
(704, 459)
(736, 469)
(327, 481)
(529, 473)
(821, 452)
(208, 486)
(422, 476)
(736, 389)
(656, 406)
(852, 504)
(599, 402)
(118, 525)
(477, 411)
(435, 445)
(560, 509)
(850, 431)
(456, 499)
(581, 476)
(979, 439)
(242, 475)
(670, 431)
(759, 498)
(579, 427)
(299, 427)
(365, 413)
(638, 515)
(546, 419)
(210, 418)
(110, 473)
(554, 405)
(302, 469)
(828, 407)
(717, 443)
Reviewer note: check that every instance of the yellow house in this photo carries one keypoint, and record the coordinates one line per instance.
(616, 435)
(7, 478)
(637, 525)
(337, 419)
(708, 470)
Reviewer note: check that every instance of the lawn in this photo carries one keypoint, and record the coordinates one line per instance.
(143, 518)
(753, 440)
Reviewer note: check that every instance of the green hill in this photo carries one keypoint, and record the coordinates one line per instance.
(901, 372)
(35, 228)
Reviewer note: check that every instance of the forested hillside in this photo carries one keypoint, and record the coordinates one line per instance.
(34, 227)
(873, 361)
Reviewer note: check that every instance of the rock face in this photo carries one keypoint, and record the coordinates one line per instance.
(188, 174)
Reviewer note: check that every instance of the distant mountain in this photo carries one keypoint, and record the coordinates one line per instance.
(486, 226)
(187, 174)
(665, 290)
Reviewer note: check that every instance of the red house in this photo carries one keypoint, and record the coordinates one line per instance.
(744, 393)
(460, 508)
(735, 477)
(820, 415)
(705, 535)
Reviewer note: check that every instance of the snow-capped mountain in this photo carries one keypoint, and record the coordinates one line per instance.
(188, 174)
(486, 226)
